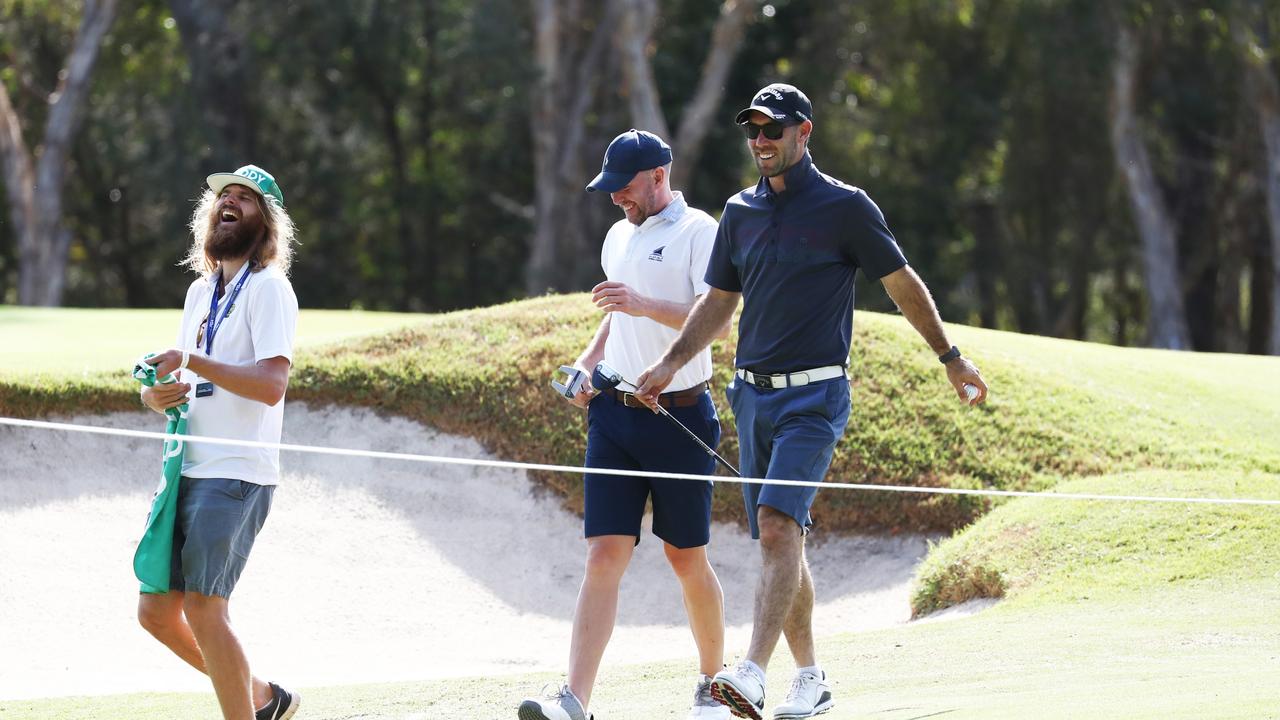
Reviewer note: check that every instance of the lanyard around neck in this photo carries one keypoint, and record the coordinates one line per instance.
(214, 322)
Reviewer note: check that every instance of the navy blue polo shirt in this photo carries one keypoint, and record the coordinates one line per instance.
(793, 256)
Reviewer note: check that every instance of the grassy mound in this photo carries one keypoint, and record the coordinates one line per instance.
(1043, 551)
(1058, 409)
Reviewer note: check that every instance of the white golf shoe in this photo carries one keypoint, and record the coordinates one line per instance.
(559, 705)
(808, 695)
(741, 689)
(706, 707)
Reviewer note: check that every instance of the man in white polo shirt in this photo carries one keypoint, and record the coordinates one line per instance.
(655, 261)
(233, 354)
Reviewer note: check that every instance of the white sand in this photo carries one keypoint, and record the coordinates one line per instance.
(366, 570)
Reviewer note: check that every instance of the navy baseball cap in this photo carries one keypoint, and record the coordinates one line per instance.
(780, 101)
(628, 154)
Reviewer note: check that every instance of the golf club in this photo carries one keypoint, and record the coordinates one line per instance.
(572, 384)
(606, 378)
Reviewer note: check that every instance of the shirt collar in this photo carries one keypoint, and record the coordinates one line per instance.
(212, 278)
(675, 208)
(671, 213)
(797, 177)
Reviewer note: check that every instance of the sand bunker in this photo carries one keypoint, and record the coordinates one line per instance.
(366, 570)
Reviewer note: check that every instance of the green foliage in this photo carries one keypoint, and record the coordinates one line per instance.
(401, 133)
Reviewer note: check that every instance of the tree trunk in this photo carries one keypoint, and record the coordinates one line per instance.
(1167, 322)
(219, 73)
(646, 110)
(634, 40)
(1264, 90)
(428, 270)
(37, 216)
(569, 76)
(726, 41)
(986, 259)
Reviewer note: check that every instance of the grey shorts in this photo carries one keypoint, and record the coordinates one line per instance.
(216, 524)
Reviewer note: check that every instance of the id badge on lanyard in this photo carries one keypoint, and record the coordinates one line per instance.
(205, 389)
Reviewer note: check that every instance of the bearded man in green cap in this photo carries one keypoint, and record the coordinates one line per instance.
(232, 360)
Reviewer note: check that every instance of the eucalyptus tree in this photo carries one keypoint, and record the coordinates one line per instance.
(35, 170)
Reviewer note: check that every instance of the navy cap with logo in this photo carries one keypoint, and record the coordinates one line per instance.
(780, 101)
(628, 154)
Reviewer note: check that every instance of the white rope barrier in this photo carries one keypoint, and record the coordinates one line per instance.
(510, 465)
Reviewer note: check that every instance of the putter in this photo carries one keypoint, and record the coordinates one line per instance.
(605, 377)
(572, 384)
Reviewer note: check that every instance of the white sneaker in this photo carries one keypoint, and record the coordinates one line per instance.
(741, 689)
(559, 705)
(808, 695)
(706, 707)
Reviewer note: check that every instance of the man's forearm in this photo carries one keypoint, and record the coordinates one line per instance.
(264, 381)
(908, 291)
(671, 314)
(595, 349)
(710, 315)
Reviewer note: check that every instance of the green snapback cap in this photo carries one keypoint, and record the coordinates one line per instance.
(252, 176)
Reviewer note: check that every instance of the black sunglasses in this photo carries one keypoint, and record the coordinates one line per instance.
(771, 130)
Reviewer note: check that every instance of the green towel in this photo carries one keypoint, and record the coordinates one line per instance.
(153, 559)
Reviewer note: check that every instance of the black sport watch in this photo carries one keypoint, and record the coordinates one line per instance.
(949, 355)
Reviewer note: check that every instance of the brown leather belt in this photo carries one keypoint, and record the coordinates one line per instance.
(680, 398)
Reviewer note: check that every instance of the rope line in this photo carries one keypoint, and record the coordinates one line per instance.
(512, 465)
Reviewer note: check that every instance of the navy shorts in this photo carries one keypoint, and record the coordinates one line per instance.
(787, 434)
(217, 521)
(630, 438)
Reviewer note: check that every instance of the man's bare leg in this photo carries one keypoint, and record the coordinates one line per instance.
(703, 602)
(781, 549)
(162, 616)
(224, 658)
(597, 610)
(798, 627)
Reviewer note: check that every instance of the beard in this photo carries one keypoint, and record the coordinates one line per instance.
(233, 240)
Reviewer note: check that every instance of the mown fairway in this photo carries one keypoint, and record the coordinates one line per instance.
(67, 341)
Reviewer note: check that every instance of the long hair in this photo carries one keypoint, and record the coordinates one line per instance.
(275, 248)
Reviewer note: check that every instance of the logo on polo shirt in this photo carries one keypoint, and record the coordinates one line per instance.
(656, 255)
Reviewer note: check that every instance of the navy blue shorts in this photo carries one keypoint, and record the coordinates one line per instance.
(629, 438)
(787, 434)
(218, 520)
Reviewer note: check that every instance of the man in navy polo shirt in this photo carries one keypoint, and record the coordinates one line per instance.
(789, 247)
(654, 261)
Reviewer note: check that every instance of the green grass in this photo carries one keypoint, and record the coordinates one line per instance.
(1178, 653)
(1125, 610)
(1040, 552)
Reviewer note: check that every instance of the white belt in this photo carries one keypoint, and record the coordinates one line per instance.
(803, 377)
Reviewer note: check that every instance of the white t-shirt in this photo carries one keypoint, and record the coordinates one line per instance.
(665, 257)
(260, 325)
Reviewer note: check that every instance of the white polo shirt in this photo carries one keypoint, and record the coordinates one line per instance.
(665, 257)
(260, 325)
